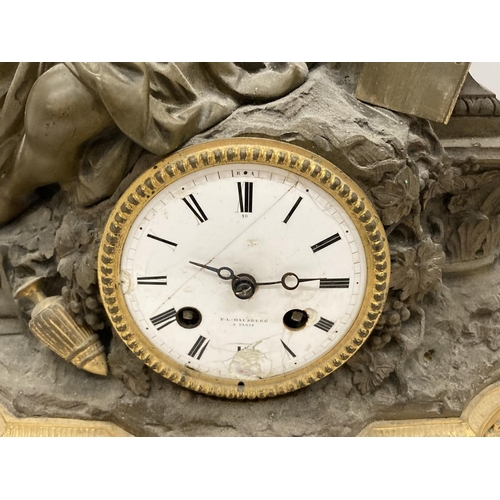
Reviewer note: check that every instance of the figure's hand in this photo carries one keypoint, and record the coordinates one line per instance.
(224, 273)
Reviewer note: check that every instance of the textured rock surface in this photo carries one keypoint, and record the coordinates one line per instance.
(436, 346)
(323, 116)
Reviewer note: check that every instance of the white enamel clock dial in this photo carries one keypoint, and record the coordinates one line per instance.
(242, 272)
(258, 221)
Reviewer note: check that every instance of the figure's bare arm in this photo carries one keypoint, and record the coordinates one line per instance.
(61, 115)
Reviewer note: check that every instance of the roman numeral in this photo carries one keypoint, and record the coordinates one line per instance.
(153, 237)
(163, 319)
(325, 243)
(245, 196)
(287, 218)
(334, 283)
(288, 350)
(196, 209)
(324, 324)
(151, 280)
(199, 344)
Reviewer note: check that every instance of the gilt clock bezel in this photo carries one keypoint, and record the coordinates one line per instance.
(245, 151)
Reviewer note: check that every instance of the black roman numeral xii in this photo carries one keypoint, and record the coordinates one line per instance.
(245, 195)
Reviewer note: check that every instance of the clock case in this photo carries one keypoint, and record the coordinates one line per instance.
(245, 151)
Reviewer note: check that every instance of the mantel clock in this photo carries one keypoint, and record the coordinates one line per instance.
(244, 268)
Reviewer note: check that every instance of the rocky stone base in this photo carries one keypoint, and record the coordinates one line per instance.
(439, 374)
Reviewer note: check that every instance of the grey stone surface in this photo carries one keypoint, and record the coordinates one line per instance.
(324, 116)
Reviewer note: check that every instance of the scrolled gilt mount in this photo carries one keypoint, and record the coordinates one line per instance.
(11, 426)
(480, 418)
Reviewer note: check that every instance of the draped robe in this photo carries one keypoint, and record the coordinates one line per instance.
(156, 107)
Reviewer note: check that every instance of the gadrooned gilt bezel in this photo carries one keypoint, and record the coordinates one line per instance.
(245, 151)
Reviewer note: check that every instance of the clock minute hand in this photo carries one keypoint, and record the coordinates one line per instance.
(290, 281)
(225, 273)
(270, 283)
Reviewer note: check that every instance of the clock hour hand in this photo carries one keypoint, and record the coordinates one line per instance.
(225, 273)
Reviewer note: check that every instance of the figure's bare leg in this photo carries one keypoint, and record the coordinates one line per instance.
(61, 114)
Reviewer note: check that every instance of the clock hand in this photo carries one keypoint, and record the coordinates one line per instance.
(225, 273)
(269, 283)
(243, 285)
(290, 281)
